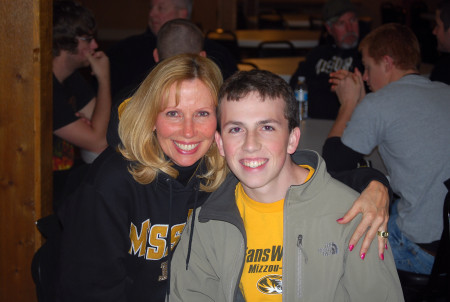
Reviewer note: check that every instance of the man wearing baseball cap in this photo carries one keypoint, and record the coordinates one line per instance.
(340, 52)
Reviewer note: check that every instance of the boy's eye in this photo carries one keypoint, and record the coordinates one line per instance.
(268, 128)
(234, 130)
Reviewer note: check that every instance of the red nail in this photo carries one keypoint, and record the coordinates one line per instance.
(340, 219)
(350, 247)
(385, 246)
(363, 255)
(382, 256)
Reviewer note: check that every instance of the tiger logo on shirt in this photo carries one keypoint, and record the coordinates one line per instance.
(270, 285)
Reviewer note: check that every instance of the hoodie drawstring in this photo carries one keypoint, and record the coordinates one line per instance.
(169, 237)
(192, 228)
(169, 241)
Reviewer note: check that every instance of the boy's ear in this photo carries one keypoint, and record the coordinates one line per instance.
(388, 63)
(294, 139)
(219, 143)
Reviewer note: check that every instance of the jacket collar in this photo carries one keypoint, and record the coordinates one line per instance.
(221, 205)
(308, 190)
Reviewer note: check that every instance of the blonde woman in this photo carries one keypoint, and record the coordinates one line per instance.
(115, 243)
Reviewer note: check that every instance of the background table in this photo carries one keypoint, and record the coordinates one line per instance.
(295, 20)
(251, 38)
(284, 66)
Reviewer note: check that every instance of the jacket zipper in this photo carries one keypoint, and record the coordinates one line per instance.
(301, 256)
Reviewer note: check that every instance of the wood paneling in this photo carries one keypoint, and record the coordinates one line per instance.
(25, 139)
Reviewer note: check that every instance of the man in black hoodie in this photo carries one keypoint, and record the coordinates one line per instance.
(338, 52)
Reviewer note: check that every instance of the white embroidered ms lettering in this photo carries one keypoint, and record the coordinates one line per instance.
(151, 240)
(334, 64)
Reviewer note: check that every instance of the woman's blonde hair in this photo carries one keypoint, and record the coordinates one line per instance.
(138, 119)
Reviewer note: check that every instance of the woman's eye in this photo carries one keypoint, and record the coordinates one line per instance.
(172, 113)
(203, 113)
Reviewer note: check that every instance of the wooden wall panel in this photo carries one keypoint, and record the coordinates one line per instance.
(25, 139)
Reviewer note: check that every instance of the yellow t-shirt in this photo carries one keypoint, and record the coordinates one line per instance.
(262, 274)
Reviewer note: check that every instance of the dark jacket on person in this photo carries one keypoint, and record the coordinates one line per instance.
(116, 232)
(319, 63)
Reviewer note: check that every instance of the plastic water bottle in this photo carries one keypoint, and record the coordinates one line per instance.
(301, 94)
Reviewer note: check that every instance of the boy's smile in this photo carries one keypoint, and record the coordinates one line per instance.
(256, 142)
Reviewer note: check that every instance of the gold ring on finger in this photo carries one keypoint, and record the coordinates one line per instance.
(383, 234)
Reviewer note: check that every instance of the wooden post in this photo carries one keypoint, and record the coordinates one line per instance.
(25, 139)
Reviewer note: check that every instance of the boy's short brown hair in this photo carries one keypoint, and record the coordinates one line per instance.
(267, 85)
(395, 40)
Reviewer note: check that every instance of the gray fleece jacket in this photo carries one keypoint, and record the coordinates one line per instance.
(317, 265)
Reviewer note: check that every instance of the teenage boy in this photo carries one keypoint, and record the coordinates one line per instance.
(268, 233)
(80, 116)
(407, 117)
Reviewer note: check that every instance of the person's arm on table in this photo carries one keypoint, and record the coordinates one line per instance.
(349, 88)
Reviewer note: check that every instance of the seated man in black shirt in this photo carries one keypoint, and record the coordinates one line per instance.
(342, 26)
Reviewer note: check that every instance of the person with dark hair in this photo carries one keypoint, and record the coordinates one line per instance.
(341, 52)
(131, 59)
(407, 118)
(269, 233)
(441, 70)
(80, 115)
(178, 36)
